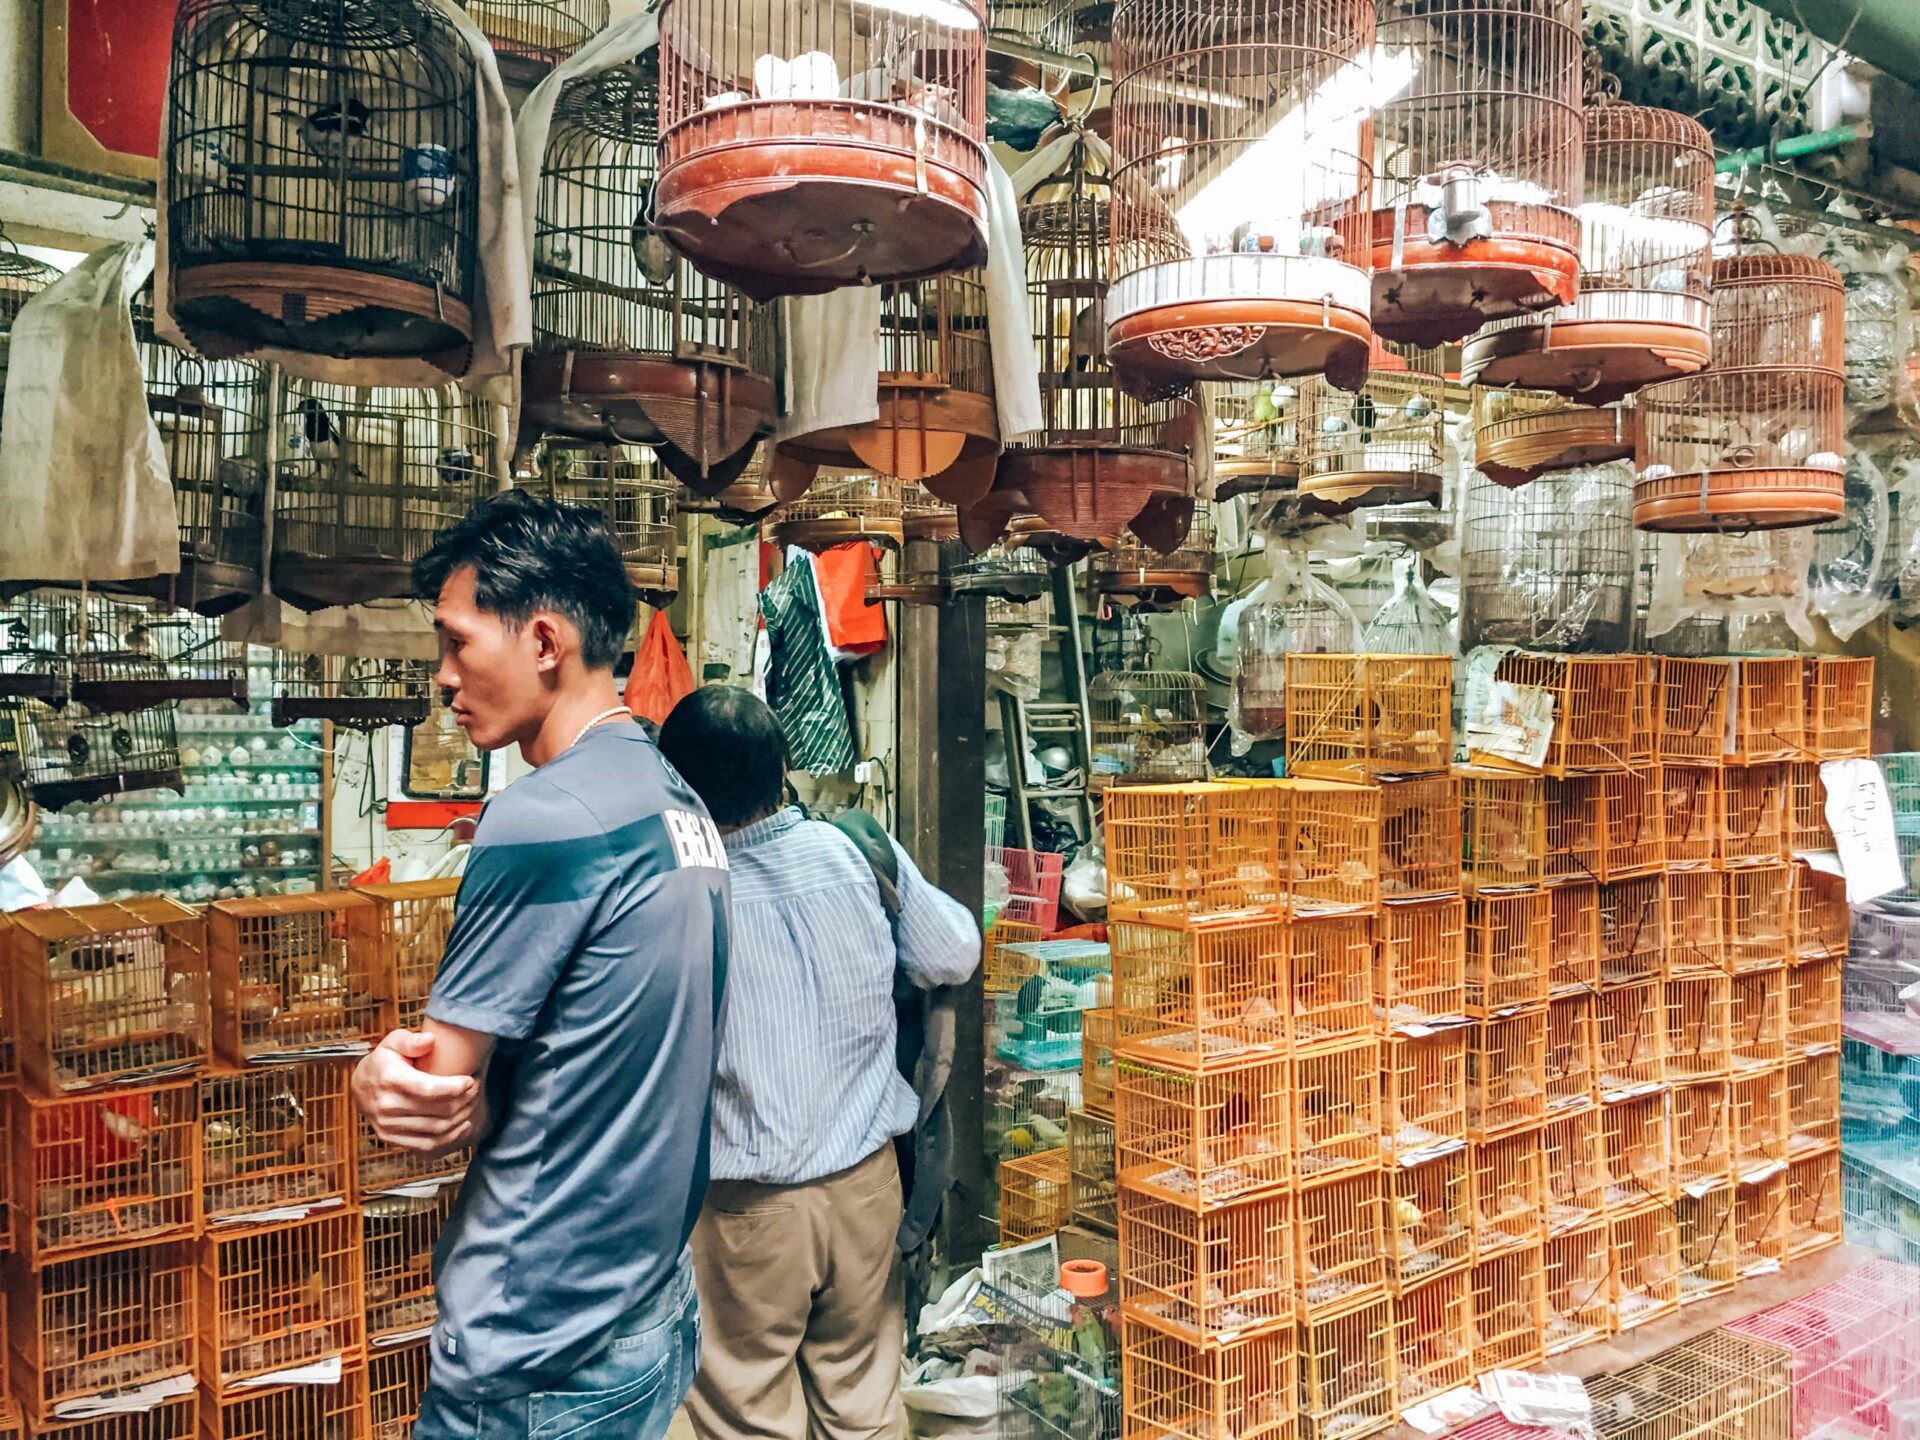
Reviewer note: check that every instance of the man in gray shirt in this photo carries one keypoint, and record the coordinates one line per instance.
(570, 1030)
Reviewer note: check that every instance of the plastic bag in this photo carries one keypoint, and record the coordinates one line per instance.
(854, 627)
(1879, 323)
(1549, 565)
(1748, 577)
(1412, 622)
(1302, 614)
(661, 677)
(1850, 579)
(1083, 886)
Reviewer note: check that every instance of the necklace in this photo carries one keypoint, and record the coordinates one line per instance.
(603, 715)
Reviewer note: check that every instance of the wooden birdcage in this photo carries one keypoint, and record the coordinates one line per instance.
(1807, 827)
(1256, 438)
(1383, 443)
(632, 345)
(1421, 974)
(286, 980)
(1420, 838)
(400, 1233)
(746, 501)
(1696, 923)
(1754, 442)
(290, 1412)
(1759, 1020)
(1036, 1197)
(841, 510)
(1435, 1324)
(1092, 1162)
(403, 933)
(1242, 141)
(1759, 917)
(1576, 827)
(1632, 930)
(1646, 1267)
(1814, 1007)
(1478, 180)
(39, 632)
(107, 994)
(1697, 1042)
(1340, 1243)
(1760, 1226)
(1706, 1241)
(323, 162)
(379, 1168)
(930, 551)
(1364, 716)
(1571, 1057)
(1758, 1121)
(1573, 1148)
(1503, 830)
(804, 148)
(275, 1136)
(1425, 1077)
(1506, 1074)
(1753, 815)
(543, 32)
(1814, 1217)
(1184, 1391)
(1629, 1039)
(396, 1379)
(1578, 945)
(1149, 727)
(1509, 1309)
(1838, 709)
(1578, 1268)
(1209, 1136)
(212, 419)
(277, 1296)
(1509, 1194)
(1101, 453)
(1596, 707)
(1336, 1093)
(1646, 236)
(1209, 1274)
(368, 477)
(1813, 1103)
(1701, 1135)
(355, 693)
(21, 278)
(1550, 565)
(102, 1172)
(1639, 1164)
(1518, 435)
(1134, 571)
(1691, 801)
(1348, 1374)
(1193, 849)
(173, 1419)
(100, 1324)
(1510, 951)
(1429, 1216)
(632, 491)
(67, 756)
(1204, 989)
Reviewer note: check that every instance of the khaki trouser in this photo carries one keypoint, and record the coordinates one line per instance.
(802, 1324)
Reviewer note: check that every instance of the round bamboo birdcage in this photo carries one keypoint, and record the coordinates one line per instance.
(1754, 442)
(632, 345)
(840, 509)
(807, 146)
(1135, 573)
(746, 501)
(367, 476)
(1520, 434)
(1101, 453)
(1243, 140)
(937, 424)
(1007, 571)
(1386, 444)
(1149, 727)
(322, 165)
(633, 492)
(1478, 171)
(212, 420)
(1646, 243)
(930, 546)
(1256, 439)
(538, 33)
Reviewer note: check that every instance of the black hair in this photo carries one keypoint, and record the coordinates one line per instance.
(731, 750)
(531, 554)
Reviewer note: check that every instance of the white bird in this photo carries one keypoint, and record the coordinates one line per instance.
(206, 163)
(812, 76)
(552, 252)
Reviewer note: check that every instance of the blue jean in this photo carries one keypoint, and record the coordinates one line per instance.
(629, 1391)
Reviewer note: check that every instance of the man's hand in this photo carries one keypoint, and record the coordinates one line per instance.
(409, 1107)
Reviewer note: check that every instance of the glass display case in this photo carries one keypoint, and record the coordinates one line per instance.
(248, 823)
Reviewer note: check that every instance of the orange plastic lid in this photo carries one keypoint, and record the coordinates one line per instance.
(1086, 1279)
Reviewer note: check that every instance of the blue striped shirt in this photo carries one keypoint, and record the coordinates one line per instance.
(806, 1082)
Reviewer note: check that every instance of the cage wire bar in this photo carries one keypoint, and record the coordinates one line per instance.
(1384, 443)
(632, 491)
(542, 32)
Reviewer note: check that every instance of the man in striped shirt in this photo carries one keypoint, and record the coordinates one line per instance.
(802, 1305)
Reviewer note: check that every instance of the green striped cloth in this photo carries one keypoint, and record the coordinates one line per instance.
(803, 683)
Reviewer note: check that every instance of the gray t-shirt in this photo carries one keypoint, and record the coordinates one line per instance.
(590, 938)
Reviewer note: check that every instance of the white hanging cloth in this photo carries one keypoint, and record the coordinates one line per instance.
(383, 630)
(502, 303)
(83, 471)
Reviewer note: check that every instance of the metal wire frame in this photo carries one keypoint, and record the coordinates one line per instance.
(1242, 142)
(1549, 566)
(542, 31)
(70, 755)
(1149, 727)
(805, 146)
(323, 161)
(631, 343)
(367, 478)
(632, 491)
(1131, 571)
(1518, 434)
(1486, 132)
(1755, 441)
(1385, 444)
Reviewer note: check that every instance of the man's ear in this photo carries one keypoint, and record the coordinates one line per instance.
(550, 640)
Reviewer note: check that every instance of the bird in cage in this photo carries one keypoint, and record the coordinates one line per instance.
(456, 466)
(1087, 335)
(651, 252)
(328, 130)
(207, 163)
(552, 252)
(319, 434)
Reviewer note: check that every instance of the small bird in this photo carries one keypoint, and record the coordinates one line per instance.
(456, 465)
(318, 430)
(328, 130)
(650, 250)
(1419, 406)
(205, 163)
(1087, 335)
(551, 252)
(1366, 415)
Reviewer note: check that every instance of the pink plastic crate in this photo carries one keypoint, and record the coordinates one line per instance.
(1033, 885)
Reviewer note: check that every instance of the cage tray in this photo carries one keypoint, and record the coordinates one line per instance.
(1594, 361)
(1739, 500)
(233, 307)
(354, 712)
(1238, 339)
(1445, 292)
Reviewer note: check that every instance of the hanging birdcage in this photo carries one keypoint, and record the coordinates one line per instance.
(1755, 441)
(538, 32)
(804, 147)
(39, 632)
(1518, 434)
(930, 547)
(632, 492)
(1549, 566)
(131, 655)
(322, 160)
(212, 419)
(631, 344)
(1149, 727)
(1478, 164)
(1006, 571)
(351, 691)
(1135, 572)
(1385, 445)
(1242, 137)
(1256, 439)
(70, 754)
(1646, 243)
(1411, 622)
(1299, 614)
(747, 501)
(842, 509)
(21, 278)
(1100, 454)
(936, 424)
(367, 477)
